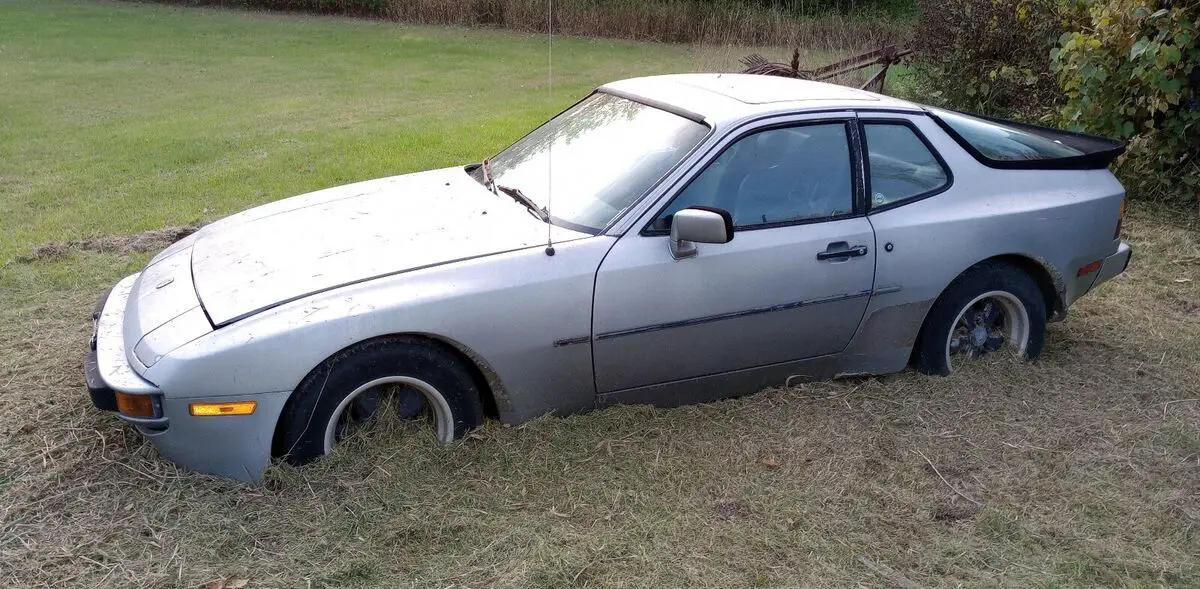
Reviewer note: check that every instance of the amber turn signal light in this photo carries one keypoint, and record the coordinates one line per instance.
(135, 405)
(215, 409)
(1089, 268)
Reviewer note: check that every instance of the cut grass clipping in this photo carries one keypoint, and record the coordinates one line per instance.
(1082, 470)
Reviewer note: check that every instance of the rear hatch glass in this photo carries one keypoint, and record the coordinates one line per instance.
(1001, 143)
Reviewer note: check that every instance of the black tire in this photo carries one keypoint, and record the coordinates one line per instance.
(929, 353)
(300, 433)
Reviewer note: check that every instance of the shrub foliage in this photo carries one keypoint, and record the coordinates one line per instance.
(1133, 73)
(1128, 69)
(989, 56)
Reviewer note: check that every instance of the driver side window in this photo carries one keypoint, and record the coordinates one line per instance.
(776, 176)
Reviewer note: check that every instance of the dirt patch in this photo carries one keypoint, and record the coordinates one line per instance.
(953, 512)
(732, 509)
(1185, 306)
(146, 241)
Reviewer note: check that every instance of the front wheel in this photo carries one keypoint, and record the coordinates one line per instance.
(992, 308)
(408, 376)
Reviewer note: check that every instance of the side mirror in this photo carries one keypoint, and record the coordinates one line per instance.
(699, 225)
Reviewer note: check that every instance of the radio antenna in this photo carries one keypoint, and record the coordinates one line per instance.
(550, 148)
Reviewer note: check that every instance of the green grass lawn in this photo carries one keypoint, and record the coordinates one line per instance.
(117, 118)
(1081, 470)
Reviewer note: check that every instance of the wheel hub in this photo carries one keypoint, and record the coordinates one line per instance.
(988, 323)
(979, 336)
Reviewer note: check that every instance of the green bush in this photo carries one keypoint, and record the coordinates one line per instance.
(1128, 69)
(1134, 74)
(989, 56)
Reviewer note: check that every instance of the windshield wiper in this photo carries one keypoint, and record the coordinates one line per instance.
(520, 197)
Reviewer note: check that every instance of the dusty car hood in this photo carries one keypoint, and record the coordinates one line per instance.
(306, 244)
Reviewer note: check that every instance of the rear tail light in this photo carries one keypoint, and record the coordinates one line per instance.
(135, 405)
(1120, 221)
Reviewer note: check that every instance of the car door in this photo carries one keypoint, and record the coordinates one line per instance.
(792, 283)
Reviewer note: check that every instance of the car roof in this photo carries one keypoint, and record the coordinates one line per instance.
(726, 97)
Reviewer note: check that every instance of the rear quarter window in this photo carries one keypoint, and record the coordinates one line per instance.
(901, 166)
(1003, 143)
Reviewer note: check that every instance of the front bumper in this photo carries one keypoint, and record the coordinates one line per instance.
(238, 447)
(103, 397)
(104, 368)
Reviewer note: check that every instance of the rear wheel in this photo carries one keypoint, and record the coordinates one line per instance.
(993, 308)
(404, 376)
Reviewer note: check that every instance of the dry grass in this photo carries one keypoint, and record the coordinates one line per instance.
(1085, 468)
(672, 21)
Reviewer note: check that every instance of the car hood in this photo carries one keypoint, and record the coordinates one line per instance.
(295, 247)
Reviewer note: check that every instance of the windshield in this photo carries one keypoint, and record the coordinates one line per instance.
(607, 152)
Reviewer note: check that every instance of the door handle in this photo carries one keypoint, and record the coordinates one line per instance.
(840, 250)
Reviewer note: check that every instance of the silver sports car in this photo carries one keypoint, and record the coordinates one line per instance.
(666, 240)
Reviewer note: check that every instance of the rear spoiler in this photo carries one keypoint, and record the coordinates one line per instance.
(1098, 152)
